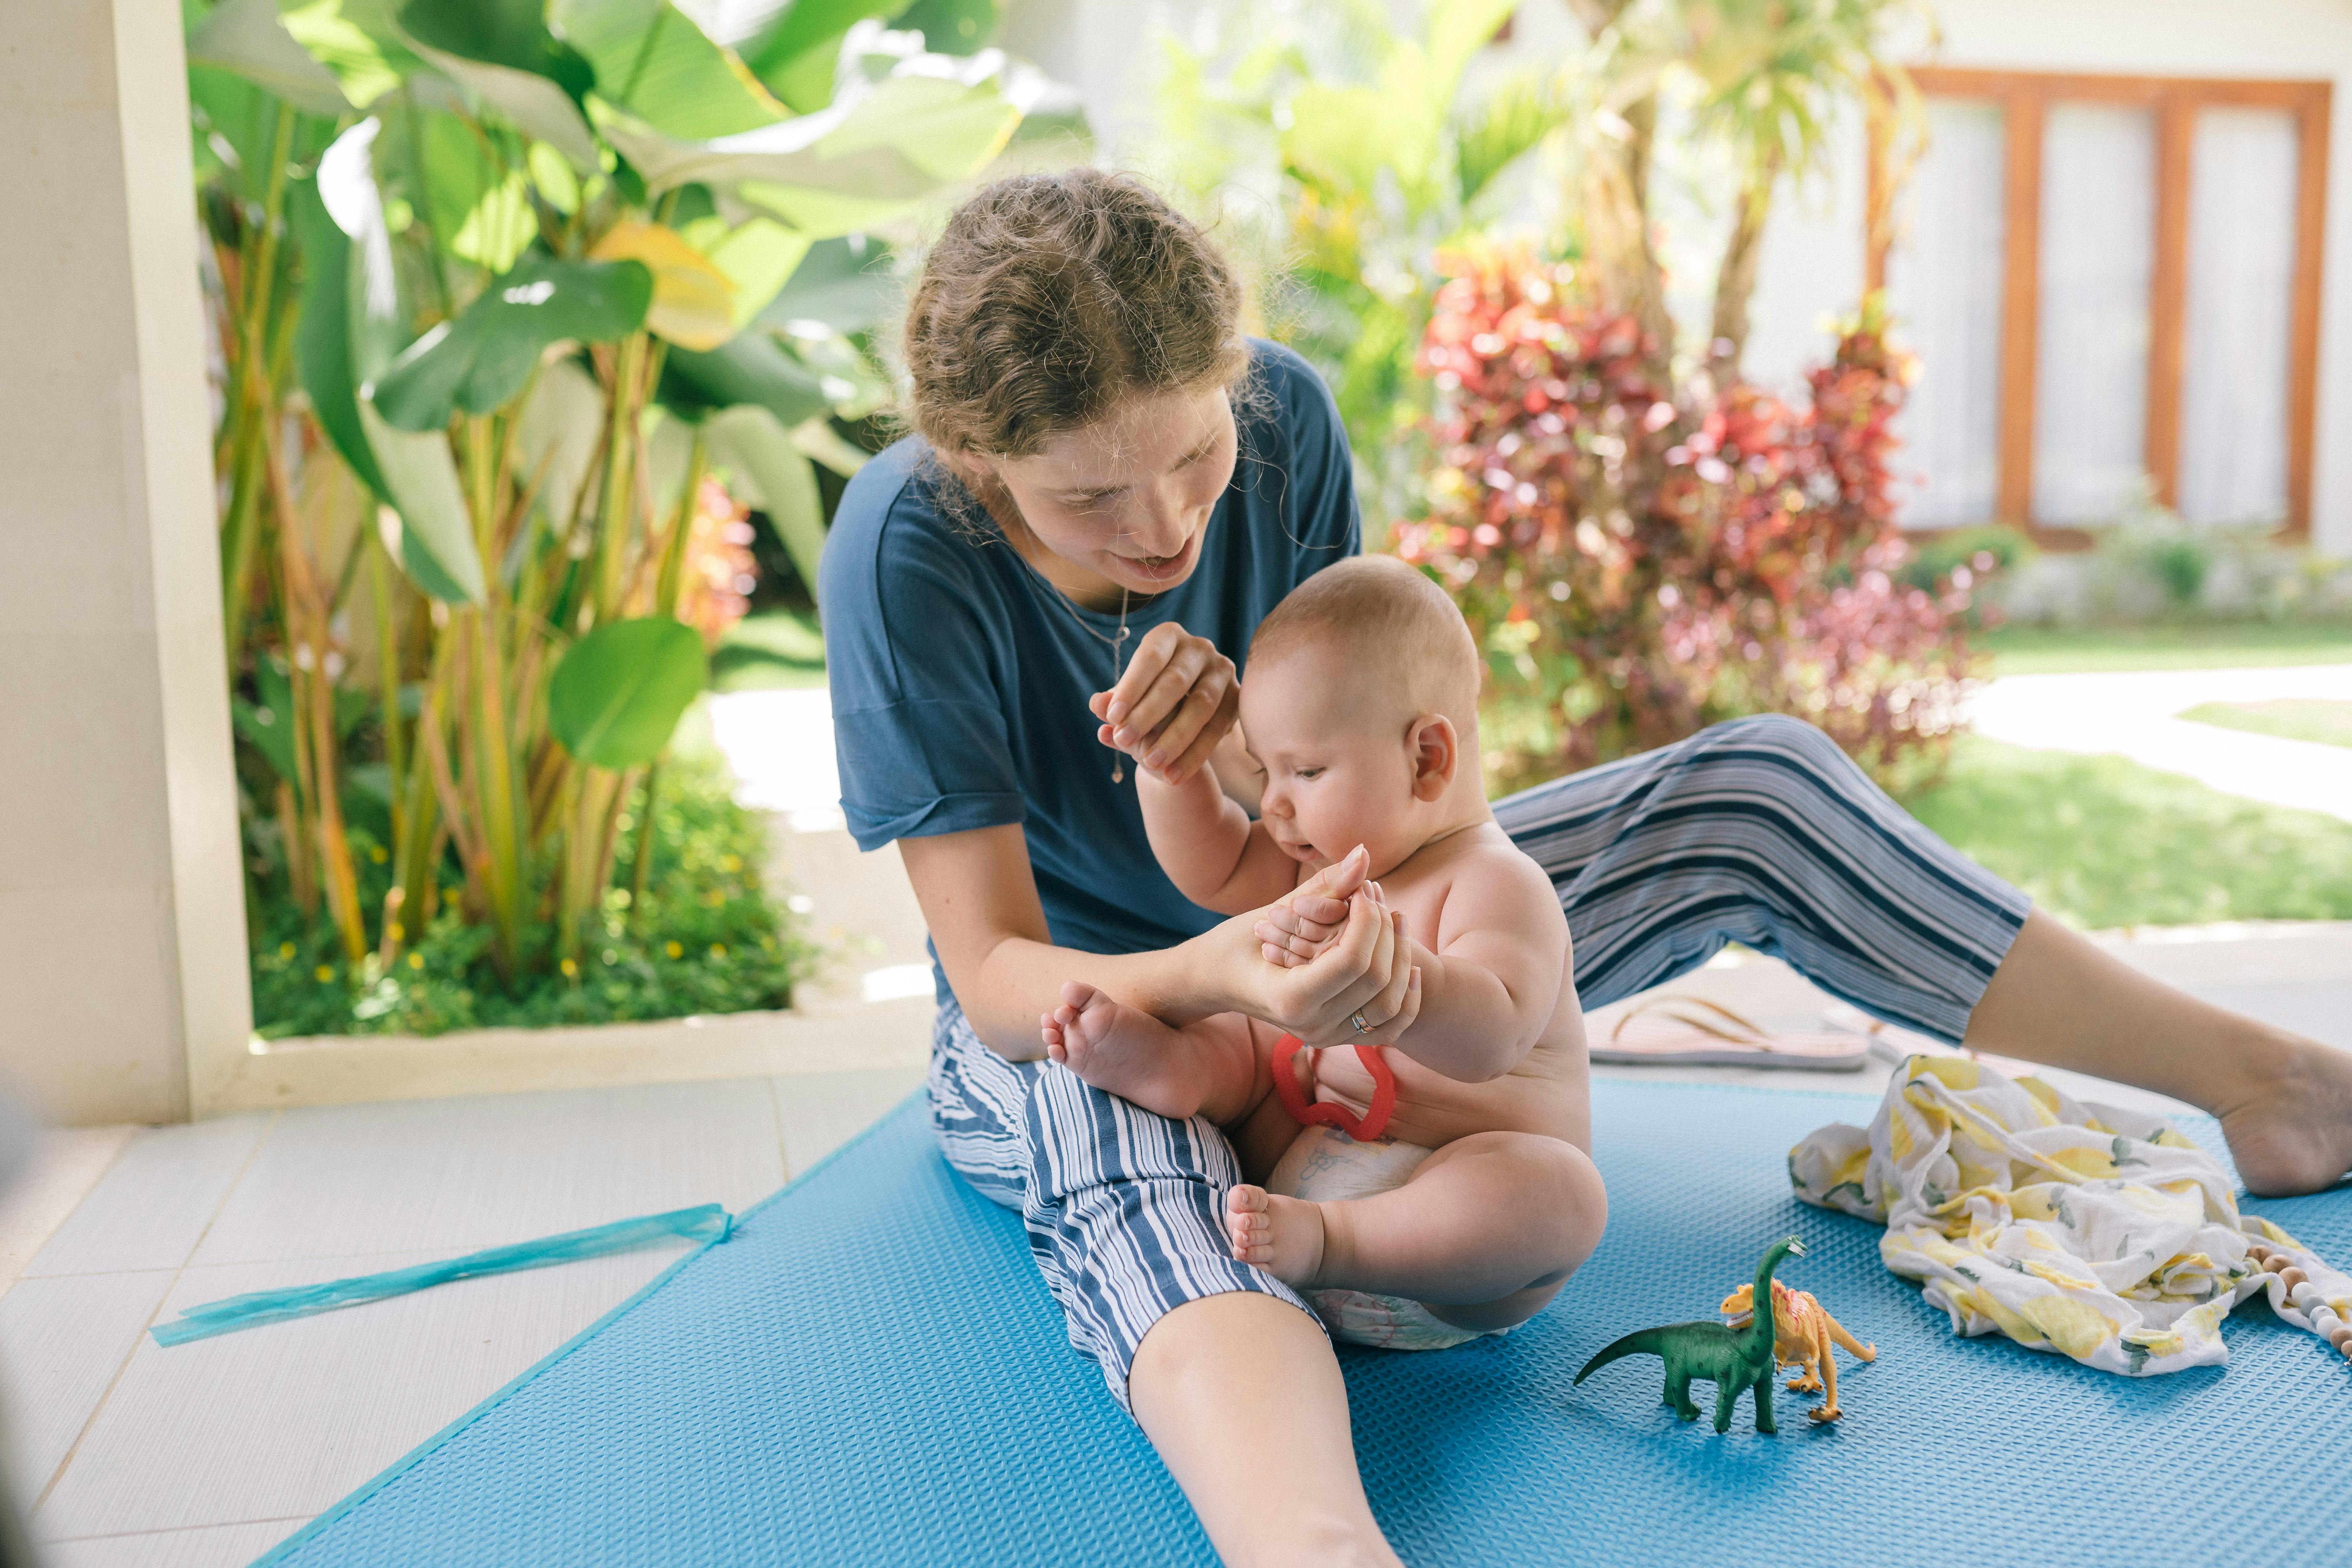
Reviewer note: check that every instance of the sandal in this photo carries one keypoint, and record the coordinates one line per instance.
(1675, 1031)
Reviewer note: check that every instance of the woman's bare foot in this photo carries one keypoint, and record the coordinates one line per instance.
(1125, 1052)
(1282, 1236)
(2292, 1131)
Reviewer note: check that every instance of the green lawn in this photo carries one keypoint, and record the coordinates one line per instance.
(2290, 718)
(2104, 842)
(773, 649)
(2050, 650)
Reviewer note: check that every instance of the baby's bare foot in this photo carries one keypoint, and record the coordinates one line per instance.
(1123, 1051)
(1282, 1236)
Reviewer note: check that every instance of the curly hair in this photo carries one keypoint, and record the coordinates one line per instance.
(1049, 297)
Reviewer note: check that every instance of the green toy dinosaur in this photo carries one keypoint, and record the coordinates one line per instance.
(1734, 1360)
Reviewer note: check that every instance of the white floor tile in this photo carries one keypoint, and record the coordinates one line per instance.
(221, 1546)
(455, 1175)
(66, 1164)
(821, 1112)
(151, 1207)
(282, 1420)
(61, 1343)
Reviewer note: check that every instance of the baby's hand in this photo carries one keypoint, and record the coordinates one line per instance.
(1297, 930)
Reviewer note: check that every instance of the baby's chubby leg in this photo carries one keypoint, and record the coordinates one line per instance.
(1486, 1231)
(1208, 1069)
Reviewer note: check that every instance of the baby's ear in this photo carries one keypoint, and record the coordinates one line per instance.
(1436, 754)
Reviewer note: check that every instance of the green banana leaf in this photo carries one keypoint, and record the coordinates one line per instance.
(351, 321)
(501, 51)
(243, 37)
(795, 54)
(427, 530)
(482, 358)
(323, 352)
(773, 474)
(894, 145)
(234, 125)
(844, 282)
(953, 26)
(749, 368)
(354, 39)
(617, 694)
(760, 258)
(478, 205)
(651, 60)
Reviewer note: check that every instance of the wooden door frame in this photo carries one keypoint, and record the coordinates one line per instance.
(2024, 98)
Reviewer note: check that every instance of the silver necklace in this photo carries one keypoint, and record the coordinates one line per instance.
(1118, 653)
(1118, 644)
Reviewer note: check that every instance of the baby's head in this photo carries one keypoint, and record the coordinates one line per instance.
(1360, 701)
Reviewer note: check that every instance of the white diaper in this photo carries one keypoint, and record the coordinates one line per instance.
(1323, 1165)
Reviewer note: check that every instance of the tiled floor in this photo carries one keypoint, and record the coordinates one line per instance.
(208, 1453)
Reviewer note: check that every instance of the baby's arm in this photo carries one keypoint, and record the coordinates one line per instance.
(1208, 847)
(1489, 990)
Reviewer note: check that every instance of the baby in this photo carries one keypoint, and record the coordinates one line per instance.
(1465, 1197)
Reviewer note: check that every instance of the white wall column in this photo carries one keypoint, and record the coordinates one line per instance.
(121, 905)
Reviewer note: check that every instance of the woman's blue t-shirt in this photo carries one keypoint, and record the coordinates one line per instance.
(960, 677)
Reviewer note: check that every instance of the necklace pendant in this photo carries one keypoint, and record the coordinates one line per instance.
(1119, 771)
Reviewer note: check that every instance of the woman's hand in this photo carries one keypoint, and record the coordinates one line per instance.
(1362, 989)
(1364, 969)
(1296, 929)
(1178, 698)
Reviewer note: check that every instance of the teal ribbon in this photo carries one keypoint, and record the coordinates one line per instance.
(708, 1223)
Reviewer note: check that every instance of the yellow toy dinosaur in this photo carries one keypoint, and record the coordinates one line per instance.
(1802, 1334)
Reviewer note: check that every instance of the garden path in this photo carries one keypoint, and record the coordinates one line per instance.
(2135, 715)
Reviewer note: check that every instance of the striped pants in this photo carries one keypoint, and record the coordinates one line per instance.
(1758, 831)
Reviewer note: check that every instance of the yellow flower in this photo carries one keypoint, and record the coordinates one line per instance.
(717, 950)
(674, 949)
(285, 949)
(325, 973)
(730, 862)
(569, 969)
(415, 961)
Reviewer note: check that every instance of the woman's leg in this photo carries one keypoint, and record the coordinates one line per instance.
(1762, 831)
(2285, 1102)
(1222, 1365)
(1243, 1398)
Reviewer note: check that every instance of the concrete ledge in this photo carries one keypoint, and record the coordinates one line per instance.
(337, 1070)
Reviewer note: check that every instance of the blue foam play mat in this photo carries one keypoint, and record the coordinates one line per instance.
(869, 1370)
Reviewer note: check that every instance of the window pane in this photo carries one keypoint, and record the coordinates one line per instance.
(2098, 250)
(1943, 281)
(2242, 179)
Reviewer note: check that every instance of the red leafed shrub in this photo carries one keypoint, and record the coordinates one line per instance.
(1640, 560)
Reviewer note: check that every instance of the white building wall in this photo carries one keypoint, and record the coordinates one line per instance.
(1813, 258)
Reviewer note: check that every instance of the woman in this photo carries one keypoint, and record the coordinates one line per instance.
(1106, 489)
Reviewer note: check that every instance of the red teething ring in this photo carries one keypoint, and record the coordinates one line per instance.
(1364, 1129)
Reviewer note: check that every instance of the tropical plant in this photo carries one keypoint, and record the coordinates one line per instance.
(1637, 565)
(1344, 154)
(1771, 78)
(1374, 159)
(500, 285)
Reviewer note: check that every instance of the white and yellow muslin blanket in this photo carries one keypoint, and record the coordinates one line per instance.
(2084, 1230)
